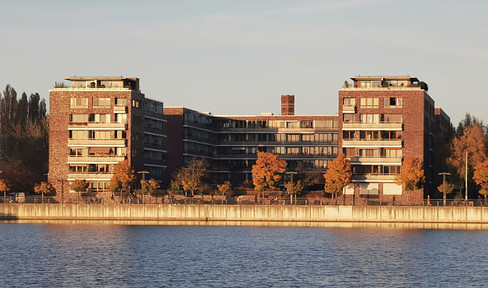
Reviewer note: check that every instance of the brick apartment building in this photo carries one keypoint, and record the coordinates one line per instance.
(230, 143)
(98, 122)
(383, 120)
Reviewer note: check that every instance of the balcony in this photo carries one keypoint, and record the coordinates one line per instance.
(95, 159)
(120, 109)
(97, 142)
(90, 176)
(373, 177)
(372, 126)
(97, 126)
(375, 160)
(349, 109)
(372, 143)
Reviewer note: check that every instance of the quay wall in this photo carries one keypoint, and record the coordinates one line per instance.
(242, 213)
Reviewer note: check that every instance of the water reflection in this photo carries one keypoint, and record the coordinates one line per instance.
(97, 254)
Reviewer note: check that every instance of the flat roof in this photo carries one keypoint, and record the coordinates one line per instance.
(109, 78)
(412, 78)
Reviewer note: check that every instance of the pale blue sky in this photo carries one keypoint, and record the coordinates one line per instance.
(238, 57)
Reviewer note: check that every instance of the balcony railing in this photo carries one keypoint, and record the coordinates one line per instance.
(105, 142)
(92, 125)
(372, 126)
(90, 176)
(372, 143)
(374, 177)
(110, 159)
(375, 160)
(349, 109)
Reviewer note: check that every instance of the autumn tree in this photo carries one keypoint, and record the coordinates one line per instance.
(123, 177)
(79, 186)
(267, 171)
(472, 142)
(294, 188)
(224, 188)
(190, 178)
(481, 177)
(445, 188)
(43, 188)
(149, 186)
(338, 175)
(4, 188)
(411, 176)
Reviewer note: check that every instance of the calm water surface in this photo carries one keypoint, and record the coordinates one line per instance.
(62, 255)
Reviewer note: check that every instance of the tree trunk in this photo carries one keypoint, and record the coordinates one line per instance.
(485, 199)
(42, 197)
(444, 199)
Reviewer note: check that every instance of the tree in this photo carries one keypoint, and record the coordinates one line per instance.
(472, 141)
(224, 188)
(43, 188)
(481, 177)
(338, 175)
(412, 175)
(80, 186)
(294, 188)
(123, 177)
(266, 171)
(191, 177)
(149, 186)
(445, 188)
(4, 188)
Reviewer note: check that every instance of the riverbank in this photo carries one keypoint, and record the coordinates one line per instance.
(276, 215)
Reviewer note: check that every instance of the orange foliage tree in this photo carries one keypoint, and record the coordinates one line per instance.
(338, 175)
(123, 177)
(445, 188)
(481, 177)
(224, 188)
(267, 171)
(190, 178)
(473, 141)
(43, 188)
(412, 175)
(4, 188)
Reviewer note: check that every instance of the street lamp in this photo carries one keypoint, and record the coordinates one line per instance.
(444, 184)
(143, 183)
(62, 189)
(292, 186)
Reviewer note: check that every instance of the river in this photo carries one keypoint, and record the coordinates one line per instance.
(101, 255)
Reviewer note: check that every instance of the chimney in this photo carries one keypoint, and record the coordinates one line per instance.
(287, 104)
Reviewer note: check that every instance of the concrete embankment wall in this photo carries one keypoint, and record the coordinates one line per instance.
(256, 213)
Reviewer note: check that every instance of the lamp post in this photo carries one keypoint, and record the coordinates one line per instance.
(292, 187)
(143, 183)
(444, 184)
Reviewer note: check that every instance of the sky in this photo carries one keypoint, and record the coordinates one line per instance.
(239, 56)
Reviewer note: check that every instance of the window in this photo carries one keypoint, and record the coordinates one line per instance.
(79, 102)
(393, 102)
(280, 150)
(349, 101)
(307, 138)
(370, 102)
(78, 118)
(280, 137)
(293, 151)
(101, 102)
(292, 138)
(348, 118)
(391, 118)
(120, 102)
(348, 135)
(292, 124)
(369, 118)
